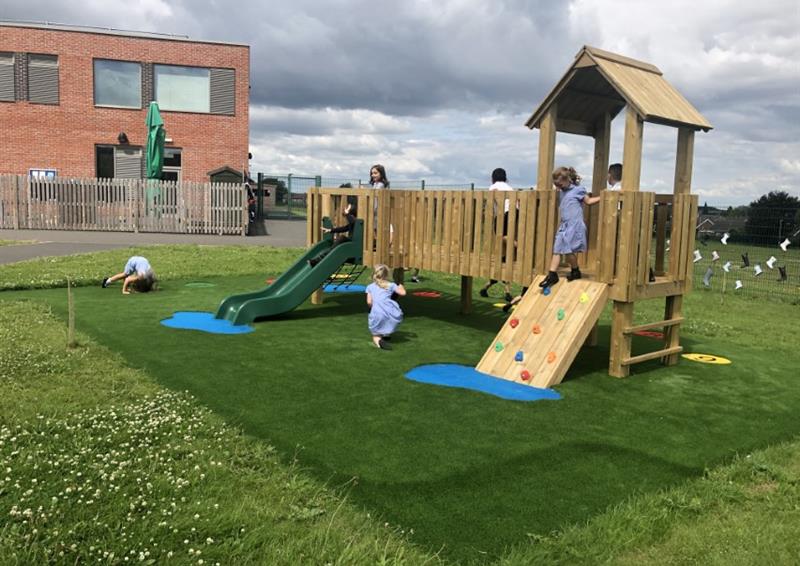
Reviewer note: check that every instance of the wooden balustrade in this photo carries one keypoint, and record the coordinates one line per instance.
(461, 232)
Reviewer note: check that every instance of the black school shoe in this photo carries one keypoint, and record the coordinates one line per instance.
(383, 345)
(483, 293)
(574, 274)
(104, 284)
(550, 280)
(508, 297)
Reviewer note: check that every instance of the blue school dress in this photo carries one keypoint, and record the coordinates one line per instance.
(571, 235)
(385, 315)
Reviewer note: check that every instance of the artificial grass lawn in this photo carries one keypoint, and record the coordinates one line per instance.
(467, 472)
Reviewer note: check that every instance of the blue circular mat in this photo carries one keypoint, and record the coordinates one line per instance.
(205, 322)
(333, 288)
(465, 377)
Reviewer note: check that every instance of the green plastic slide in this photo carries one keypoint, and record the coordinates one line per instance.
(295, 285)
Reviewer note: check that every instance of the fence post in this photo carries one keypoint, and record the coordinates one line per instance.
(289, 195)
(422, 184)
(472, 186)
(16, 201)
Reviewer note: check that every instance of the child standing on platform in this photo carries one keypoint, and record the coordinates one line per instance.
(385, 314)
(571, 235)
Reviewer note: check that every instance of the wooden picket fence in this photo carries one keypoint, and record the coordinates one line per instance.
(124, 205)
(460, 232)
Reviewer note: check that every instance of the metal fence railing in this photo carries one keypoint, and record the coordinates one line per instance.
(759, 256)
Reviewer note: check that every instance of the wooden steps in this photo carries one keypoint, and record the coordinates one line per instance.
(547, 355)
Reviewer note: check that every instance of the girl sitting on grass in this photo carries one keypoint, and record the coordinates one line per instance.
(385, 314)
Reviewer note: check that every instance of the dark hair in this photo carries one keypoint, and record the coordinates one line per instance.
(145, 283)
(382, 170)
(353, 202)
(615, 170)
(499, 175)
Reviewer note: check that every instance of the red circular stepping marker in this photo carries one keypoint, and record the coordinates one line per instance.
(525, 375)
(514, 322)
(428, 294)
(650, 334)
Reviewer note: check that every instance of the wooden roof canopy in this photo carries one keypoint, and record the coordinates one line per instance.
(600, 82)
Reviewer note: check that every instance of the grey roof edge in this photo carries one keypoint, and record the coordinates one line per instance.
(52, 26)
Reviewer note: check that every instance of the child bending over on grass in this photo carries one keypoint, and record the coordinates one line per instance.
(385, 314)
(138, 276)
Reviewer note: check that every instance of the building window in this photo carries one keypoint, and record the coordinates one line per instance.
(7, 77)
(185, 89)
(117, 162)
(43, 78)
(104, 159)
(117, 83)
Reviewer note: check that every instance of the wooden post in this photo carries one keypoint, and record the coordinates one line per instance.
(632, 151)
(547, 149)
(317, 296)
(621, 319)
(661, 237)
(466, 294)
(602, 150)
(672, 309)
(683, 185)
(684, 161)
(71, 343)
(15, 186)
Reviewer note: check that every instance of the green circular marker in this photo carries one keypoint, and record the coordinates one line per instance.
(200, 285)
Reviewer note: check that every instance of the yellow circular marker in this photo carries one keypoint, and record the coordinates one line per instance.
(340, 276)
(707, 359)
(501, 305)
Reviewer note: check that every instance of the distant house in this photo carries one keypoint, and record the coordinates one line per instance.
(716, 226)
(73, 101)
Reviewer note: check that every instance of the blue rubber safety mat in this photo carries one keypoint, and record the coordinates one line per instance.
(206, 322)
(465, 377)
(345, 288)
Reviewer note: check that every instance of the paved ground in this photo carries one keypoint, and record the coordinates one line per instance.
(282, 233)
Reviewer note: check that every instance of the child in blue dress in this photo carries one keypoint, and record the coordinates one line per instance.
(137, 276)
(385, 314)
(571, 235)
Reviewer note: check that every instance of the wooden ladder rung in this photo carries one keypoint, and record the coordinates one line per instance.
(648, 326)
(652, 355)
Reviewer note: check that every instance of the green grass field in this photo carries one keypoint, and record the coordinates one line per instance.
(617, 469)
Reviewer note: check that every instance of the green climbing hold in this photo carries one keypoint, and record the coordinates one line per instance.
(498, 347)
(561, 314)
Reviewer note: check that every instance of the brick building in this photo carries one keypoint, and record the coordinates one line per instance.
(73, 102)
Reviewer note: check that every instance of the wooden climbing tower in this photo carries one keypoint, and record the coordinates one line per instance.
(628, 233)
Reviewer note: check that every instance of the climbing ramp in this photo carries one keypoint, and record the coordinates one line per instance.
(542, 335)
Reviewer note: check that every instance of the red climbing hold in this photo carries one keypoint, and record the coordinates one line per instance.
(525, 375)
(513, 322)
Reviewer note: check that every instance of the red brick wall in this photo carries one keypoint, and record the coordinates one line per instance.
(63, 137)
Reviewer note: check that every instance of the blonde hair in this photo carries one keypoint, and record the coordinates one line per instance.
(567, 173)
(380, 276)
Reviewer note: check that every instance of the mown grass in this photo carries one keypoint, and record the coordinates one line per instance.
(655, 526)
(99, 464)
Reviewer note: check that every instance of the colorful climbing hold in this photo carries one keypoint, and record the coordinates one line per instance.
(518, 356)
(525, 375)
(584, 297)
(546, 291)
(551, 357)
(498, 347)
(536, 329)
(514, 322)
(560, 314)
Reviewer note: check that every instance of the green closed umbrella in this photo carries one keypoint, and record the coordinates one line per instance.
(154, 158)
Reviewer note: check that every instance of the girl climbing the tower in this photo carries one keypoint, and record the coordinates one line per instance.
(385, 314)
(571, 235)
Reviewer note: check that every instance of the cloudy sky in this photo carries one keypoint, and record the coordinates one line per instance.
(440, 89)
